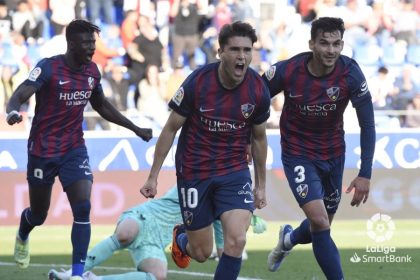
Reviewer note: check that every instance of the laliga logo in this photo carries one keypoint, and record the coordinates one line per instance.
(380, 227)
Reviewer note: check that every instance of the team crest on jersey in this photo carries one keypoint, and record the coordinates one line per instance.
(247, 110)
(270, 73)
(333, 93)
(188, 217)
(34, 74)
(302, 190)
(363, 89)
(179, 95)
(90, 81)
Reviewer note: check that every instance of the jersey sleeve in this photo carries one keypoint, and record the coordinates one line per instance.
(182, 101)
(40, 75)
(263, 110)
(359, 90)
(274, 78)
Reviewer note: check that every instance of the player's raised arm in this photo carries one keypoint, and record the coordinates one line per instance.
(163, 145)
(20, 96)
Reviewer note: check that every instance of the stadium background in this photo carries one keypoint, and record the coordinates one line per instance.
(121, 165)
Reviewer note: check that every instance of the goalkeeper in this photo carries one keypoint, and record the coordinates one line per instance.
(145, 230)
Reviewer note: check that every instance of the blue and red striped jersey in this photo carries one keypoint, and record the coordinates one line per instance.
(311, 123)
(217, 130)
(61, 96)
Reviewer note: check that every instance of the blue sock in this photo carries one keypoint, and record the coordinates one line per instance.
(80, 237)
(228, 268)
(301, 234)
(25, 226)
(182, 241)
(327, 255)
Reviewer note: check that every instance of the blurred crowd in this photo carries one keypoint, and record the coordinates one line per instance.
(147, 48)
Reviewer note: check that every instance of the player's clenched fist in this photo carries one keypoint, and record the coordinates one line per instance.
(13, 117)
(149, 189)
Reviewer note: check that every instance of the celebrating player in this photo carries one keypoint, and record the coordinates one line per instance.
(218, 107)
(318, 86)
(63, 85)
(145, 231)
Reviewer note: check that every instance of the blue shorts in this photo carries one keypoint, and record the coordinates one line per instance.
(203, 201)
(70, 168)
(315, 179)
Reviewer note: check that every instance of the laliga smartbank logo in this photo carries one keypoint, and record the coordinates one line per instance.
(380, 228)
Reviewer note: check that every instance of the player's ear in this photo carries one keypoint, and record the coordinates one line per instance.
(311, 45)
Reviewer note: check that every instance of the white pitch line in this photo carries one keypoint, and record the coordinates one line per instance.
(124, 269)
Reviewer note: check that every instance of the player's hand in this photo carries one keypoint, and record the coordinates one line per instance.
(258, 224)
(149, 189)
(361, 190)
(248, 154)
(259, 198)
(13, 117)
(144, 133)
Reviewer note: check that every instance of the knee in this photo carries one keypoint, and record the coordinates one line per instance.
(81, 211)
(201, 254)
(235, 244)
(35, 218)
(320, 223)
(125, 237)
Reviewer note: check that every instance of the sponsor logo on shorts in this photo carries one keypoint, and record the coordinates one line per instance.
(302, 190)
(188, 217)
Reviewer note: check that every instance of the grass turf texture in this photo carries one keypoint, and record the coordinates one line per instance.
(51, 248)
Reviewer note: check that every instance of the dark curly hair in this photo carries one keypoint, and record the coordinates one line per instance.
(327, 24)
(78, 26)
(237, 28)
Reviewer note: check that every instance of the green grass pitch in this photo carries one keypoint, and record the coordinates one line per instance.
(50, 248)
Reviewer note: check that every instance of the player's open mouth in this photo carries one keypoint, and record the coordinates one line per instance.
(239, 67)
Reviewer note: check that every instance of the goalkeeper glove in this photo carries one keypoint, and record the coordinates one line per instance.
(258, 224)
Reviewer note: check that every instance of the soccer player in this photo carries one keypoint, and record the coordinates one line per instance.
(63, 85)
(318, 86)
(218, 107)
(145, 231)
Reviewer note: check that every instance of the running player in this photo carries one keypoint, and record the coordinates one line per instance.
(218, 107)
(63, 85)
(318, 86)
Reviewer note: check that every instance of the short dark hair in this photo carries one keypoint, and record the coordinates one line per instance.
(327, 24)
(237, 28)
(78, 26)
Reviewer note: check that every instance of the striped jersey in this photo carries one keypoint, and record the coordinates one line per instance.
(61, 96)
(218, 122)
(311, 123)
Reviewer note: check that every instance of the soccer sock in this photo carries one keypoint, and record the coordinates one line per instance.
(138, 275)
(300, 235)
(228, 267)
(182, 241)
(25, 226)
(101, 252)
(327, 255)
(80, 235)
